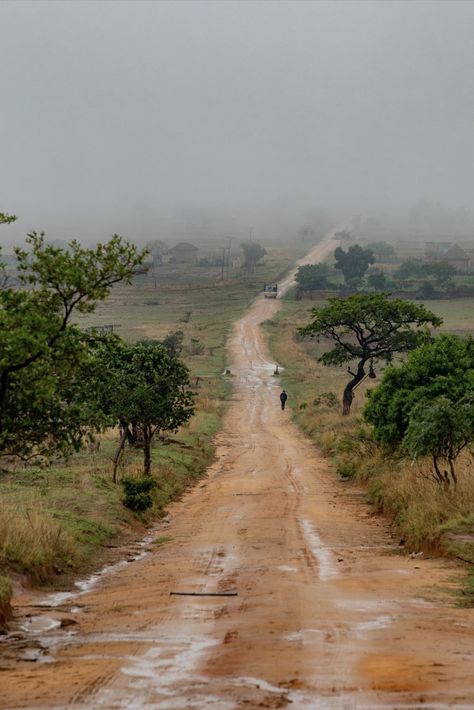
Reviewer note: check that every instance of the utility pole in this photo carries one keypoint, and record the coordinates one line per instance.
(224, 249)
(228, 256)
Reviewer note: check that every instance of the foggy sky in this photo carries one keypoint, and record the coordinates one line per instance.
(139, 116)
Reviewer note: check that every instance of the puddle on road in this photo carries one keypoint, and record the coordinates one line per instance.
(380, 622)
(163, 670)
(323, 555)
(39, 624)
(88, 583)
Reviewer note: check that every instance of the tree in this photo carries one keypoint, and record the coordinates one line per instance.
(7, 218)
(378, 282)
(311, 277)
(441, 429)
(353, 263)
(410, 269)
(367, 328)
(42, 354)
(253, 253)
(441, 271)
(143, 388)
(443, 367)
(4, 278)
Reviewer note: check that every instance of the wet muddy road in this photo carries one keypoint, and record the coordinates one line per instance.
(313, 605)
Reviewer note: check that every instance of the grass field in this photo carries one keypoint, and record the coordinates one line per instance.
(59, 521)
(428, 517)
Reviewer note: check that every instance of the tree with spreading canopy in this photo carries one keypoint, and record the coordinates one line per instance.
(443, 367)
(42, 353)
(353, 263)
(311, 277)
(367, 329)
(441, 429)
(441, 271)
(143, 388)
(411, 268)
(253, 253)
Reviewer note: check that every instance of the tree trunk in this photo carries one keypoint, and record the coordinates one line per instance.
(118, 453)
(348, 396)
(453, 473)
(439, 475)
(146, 451)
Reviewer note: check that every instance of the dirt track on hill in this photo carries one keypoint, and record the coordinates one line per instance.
(319, 609)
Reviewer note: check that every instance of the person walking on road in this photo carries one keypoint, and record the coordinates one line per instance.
(283, 398)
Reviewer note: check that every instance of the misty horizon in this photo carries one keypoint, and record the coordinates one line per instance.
(161, 120)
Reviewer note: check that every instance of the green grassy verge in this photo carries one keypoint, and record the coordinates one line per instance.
(428, 517)
(63, 520)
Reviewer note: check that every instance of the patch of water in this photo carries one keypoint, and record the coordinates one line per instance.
(162, 669)
(380, 622)
(287, 568)
(367, 605)
(39, 624)
(323, 555)
(88, 583)
(302, 701)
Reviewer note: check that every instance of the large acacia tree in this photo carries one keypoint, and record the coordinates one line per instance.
(42, 353)
(365, 329)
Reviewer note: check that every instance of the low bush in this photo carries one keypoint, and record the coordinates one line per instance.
(137, 493)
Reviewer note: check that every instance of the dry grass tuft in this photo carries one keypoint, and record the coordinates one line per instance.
(31, 540)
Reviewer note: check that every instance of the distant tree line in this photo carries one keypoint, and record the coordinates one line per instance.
(416, 277)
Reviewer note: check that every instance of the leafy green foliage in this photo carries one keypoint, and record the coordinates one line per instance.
(410, 269)
(7, 218)
(379, 282)
(353, 263)
(142, 387)
(426, 290)
(253, 253)
(137, 493)
(441, 368)
(326, 399)
(368, 328)
(311, 277)
(42, 355)
(441, 429)
(441, 271)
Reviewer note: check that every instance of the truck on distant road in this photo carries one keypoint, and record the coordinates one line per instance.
(270, 290)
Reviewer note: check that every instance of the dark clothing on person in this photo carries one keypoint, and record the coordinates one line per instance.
(283, 398)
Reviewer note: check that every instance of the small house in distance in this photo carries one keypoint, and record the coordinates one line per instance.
(450, 253)
(183, 253)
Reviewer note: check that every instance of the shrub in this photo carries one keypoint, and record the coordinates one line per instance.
(327, 399)
(137, 493)
(346, 469)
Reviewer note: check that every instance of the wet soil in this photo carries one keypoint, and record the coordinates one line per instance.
(312, 603)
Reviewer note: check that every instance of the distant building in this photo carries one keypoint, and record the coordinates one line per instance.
(183, 253)
(434, 251)
(449, 253)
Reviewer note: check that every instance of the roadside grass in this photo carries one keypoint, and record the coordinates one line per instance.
(63, 520)
(428, 517)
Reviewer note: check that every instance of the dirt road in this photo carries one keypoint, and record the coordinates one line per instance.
(319, 609)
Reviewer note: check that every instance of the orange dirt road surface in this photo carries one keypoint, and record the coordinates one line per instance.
(318, 608)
